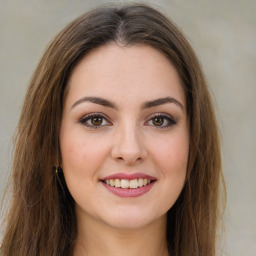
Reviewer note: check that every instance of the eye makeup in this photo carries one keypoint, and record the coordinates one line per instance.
(99, 120)
(161, 120)
(95, 120)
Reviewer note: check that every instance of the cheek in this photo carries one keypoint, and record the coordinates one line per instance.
(73, 152)
(77, 151)
(172, 154)
(171, 158)
(73, 159)
(82, 157)
(173, 165)
(80, 160)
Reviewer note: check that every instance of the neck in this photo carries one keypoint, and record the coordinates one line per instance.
(97, 239)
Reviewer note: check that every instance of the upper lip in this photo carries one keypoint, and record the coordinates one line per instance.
(131, 176)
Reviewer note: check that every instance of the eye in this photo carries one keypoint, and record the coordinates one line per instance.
(94, 121)
(161, 121)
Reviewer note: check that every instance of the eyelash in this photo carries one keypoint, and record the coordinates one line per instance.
(90, 117)
(166, 118)
(163, 117)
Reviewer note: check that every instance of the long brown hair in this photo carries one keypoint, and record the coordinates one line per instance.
(41, 219)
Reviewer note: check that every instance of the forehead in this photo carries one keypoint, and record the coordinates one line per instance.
(137, 72)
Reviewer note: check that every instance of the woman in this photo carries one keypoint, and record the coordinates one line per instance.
(117, 149)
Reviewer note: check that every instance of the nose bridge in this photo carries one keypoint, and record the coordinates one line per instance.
(128, 145)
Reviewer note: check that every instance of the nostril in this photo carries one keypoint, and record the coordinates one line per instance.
(129, 152)
(129, 160)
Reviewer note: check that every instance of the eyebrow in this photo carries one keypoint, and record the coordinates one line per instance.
(161, 101)
(95, 100)
(148, 104)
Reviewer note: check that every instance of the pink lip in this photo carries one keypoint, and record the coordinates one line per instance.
(126, 176)
(129, 192)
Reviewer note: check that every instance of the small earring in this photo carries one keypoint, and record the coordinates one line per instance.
(57, 169)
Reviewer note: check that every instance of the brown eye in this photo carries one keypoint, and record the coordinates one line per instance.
(158, 121)
(96, 121)
(161, 121)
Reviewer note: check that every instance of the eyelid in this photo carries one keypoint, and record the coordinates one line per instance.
(90, 116)
(172, 121)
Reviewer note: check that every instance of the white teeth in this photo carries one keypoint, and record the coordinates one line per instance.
(122, 183)
(112, 183)
(133, 183)
(140, 182)
(117, 183)
(125, 184)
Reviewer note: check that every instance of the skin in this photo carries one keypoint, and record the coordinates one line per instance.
(128, 139)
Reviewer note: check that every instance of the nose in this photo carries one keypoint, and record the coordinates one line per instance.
(128, 146)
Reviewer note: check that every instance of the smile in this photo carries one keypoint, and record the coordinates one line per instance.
(123, 183)
(128, 185)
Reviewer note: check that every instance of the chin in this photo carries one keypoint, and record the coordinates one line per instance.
(131, 220)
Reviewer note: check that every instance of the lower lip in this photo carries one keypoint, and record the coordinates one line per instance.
(129, 192)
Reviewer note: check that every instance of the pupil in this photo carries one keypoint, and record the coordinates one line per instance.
(158, 121)
(97, 121)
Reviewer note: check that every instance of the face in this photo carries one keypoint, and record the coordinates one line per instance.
(124, 136)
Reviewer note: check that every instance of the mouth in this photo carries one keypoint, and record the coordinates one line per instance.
(125, 183)
(128, 185)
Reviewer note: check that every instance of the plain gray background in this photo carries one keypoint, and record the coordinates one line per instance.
(223, 35)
